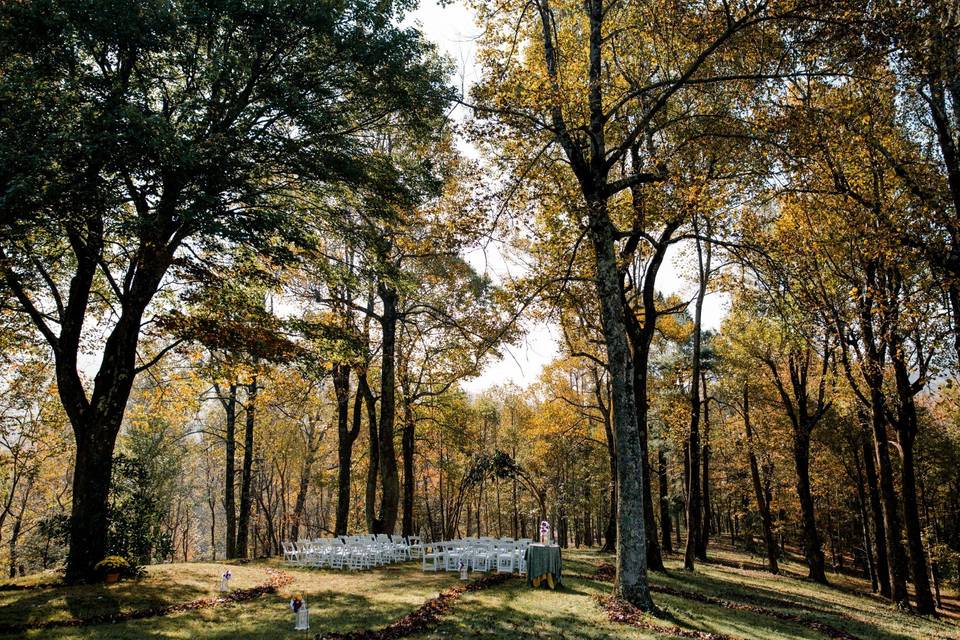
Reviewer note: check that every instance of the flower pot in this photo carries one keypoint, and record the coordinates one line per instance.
(112, 578)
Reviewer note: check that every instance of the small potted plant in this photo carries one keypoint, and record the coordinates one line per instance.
(112, 567)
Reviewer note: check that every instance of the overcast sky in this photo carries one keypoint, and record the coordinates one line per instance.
(454, 30)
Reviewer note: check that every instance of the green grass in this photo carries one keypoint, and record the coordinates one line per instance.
(342, 601)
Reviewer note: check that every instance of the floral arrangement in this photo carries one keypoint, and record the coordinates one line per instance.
(227, 575)
(296, 602)
(113, 564)
(544, 530)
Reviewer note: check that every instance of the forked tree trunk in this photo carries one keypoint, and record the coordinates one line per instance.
(804, 413)
(95, 433)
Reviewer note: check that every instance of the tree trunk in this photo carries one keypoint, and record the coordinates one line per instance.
(812, 549)
(18, 526)
(90, 511)
(891, 517)
(705, 450)
(386, 520)
(230, 472)
(305, 472)
(373, 463)
(407, 450)
(345, 439)
(762, 504)
(695, 547)
(665, 524)
(631, 582)
(876, 509)
(640, 341)
(871, 567)
(907, 430)
(610, 533)
(246, 474)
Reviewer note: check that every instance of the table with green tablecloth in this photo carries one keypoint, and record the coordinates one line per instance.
(544, 565)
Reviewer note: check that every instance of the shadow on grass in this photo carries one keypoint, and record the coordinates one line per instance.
(83, 601)
(814, 606)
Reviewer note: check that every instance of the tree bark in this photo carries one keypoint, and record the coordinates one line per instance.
(897, 557)
(610, 533)
(695, 547)
(763, 504)
(346, 436)
(871, 566)
(907, 426)
(246, 474)
(18, 526)
(373, 463)
(631, 583)
(386, 520)
(812, 548)
(876, 508)
(665, 523)
(407, 450)
(640, 342)
(230, 472)
(707, 513)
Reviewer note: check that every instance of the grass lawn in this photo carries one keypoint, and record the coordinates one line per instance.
(344, 601)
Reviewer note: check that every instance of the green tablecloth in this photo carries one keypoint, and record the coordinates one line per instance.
(541, 561)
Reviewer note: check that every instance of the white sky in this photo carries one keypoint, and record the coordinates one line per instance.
(454, 30)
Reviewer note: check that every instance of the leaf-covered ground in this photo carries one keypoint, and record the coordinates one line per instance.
(730, 598)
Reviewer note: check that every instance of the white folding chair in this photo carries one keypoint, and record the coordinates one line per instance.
(435, 557)
(505, 561)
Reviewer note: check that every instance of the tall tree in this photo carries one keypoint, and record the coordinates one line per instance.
(176, 123)
(591, 113)
(696, 546)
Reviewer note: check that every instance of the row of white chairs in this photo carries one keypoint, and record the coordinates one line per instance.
(503, 555)
(351, 552)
